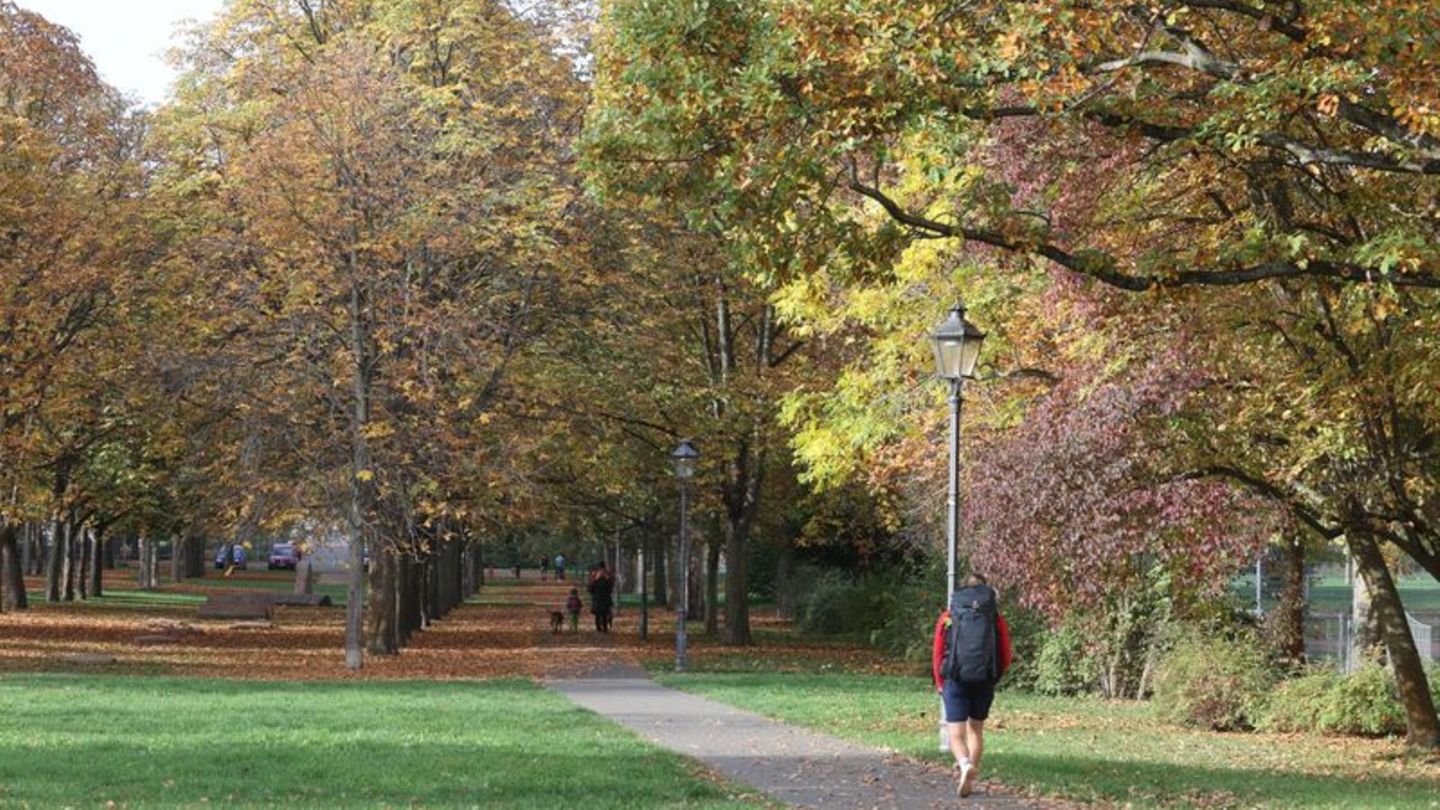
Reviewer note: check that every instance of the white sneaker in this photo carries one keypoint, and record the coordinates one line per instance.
(966, 783)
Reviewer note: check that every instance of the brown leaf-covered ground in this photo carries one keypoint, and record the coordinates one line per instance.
(503, 632)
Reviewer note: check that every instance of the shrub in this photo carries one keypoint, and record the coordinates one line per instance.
(1063, 665)
(835, 606)
(1364, 702)
(1297, 703)
(1027, 634)
(1213, 683)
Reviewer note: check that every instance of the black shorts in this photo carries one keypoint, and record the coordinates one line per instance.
(967, 701)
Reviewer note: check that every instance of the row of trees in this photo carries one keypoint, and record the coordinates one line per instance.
(355, 278)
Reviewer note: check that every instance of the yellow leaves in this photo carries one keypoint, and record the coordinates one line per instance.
(379, 429)
(365, 476)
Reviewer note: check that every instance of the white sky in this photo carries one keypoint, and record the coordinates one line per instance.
(127, 39)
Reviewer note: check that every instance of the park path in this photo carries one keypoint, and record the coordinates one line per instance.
(799, 767)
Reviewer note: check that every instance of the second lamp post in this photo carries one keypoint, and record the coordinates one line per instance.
(957, 349)
(685, 457)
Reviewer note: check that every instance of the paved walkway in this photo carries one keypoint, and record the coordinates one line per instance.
(796, 766)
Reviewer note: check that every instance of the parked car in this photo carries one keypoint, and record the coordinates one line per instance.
(283, 555)
(237, 556)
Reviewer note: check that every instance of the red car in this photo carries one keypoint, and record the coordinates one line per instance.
(283, 555)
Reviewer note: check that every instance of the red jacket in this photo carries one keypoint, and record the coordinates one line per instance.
(938, 654)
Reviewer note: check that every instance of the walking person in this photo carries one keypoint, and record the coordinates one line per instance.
(602, 592)
(545, 568)
(971, 653)
(559, 567)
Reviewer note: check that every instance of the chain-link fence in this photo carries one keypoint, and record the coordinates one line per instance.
(1329, 639)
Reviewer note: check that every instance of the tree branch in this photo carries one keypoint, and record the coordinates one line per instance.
(1103, 266)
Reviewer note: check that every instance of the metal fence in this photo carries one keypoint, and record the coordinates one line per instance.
(1329, 638)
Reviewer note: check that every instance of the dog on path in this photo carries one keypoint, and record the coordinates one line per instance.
(557, 620)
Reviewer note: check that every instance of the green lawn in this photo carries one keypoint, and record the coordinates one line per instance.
(165, 742)
(138, 600)
(1089, 749)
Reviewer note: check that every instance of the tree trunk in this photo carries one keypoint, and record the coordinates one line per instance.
(54, 562)
(712, 588)
(1365, 638)
(29, 553)
(178, 548)
(142, 562)
(12, 579)
(660, 576)
(97, 561)
(1421, 724)
(195, 558)
(1291, 623)
(67, 573)
(380, 632)
(380, 618)
(744, 478)
(109, 552)
(87, 553)
(432, 588)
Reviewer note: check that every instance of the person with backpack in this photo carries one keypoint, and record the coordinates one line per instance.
(971, 653)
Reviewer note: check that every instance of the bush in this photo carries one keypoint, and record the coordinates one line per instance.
(1364, 702)
(1063, 665)
(1028, 632)
(894, 610)
(835, 606)
(1297, 703)
(1213, 683)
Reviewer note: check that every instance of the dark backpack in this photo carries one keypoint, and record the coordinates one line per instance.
(972, 645)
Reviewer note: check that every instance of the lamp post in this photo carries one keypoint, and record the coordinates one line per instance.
(957, 349)
(685, 458)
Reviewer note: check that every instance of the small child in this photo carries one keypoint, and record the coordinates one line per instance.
(572, 606)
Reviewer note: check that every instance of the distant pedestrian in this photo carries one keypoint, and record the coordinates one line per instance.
(545, 569)
(559, 567)
(971, 653)
(602, 593)
(573, 607)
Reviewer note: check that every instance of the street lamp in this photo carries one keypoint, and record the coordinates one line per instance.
(685, 457)
(957, 349)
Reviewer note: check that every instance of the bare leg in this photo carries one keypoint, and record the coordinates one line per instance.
(956, 732)
(975, 744)
(975, 740)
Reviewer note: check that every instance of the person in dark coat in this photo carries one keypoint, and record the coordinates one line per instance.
(602, 597)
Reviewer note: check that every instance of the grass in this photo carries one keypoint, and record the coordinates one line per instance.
(157, 600)
(166, 742)
(1089, 749)
(285, 581)
(163, 598)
